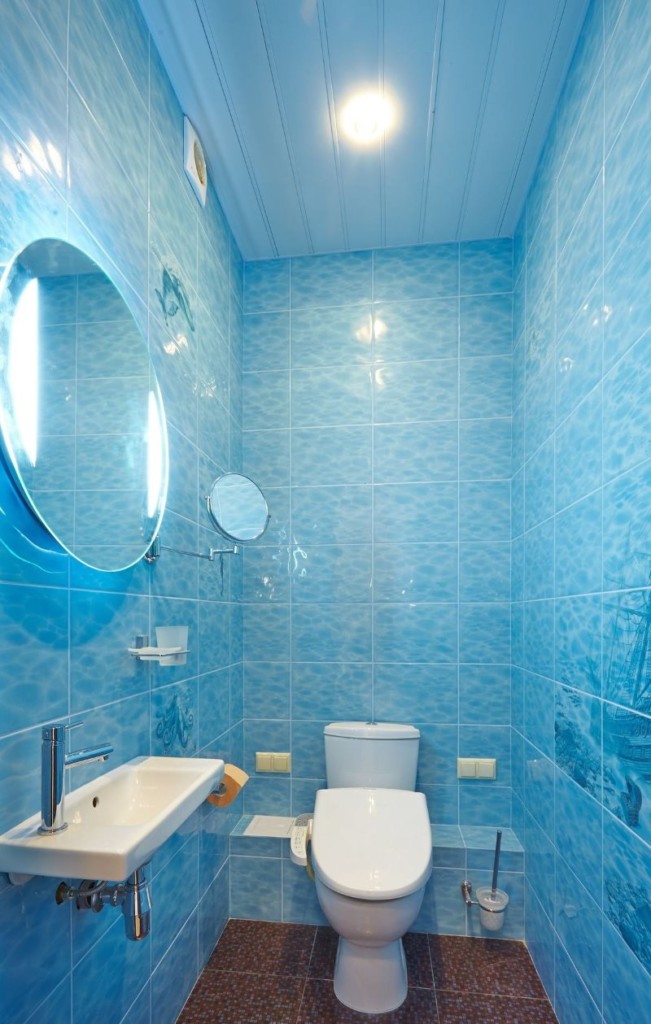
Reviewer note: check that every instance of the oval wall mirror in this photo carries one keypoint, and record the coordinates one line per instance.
(238, 507)
(81, 415)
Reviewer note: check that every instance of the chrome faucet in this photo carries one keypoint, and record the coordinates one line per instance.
(54, 761)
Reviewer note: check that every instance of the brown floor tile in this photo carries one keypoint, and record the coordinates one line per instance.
(500, 966)
(455, 1008)
(321, 1006)
(264, 947)
(419, 962)
(324, 953)
(223, 998)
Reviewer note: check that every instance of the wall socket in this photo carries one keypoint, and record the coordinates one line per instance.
(476, 768)
(272, 761)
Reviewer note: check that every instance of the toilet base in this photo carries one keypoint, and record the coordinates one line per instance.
(371, 979)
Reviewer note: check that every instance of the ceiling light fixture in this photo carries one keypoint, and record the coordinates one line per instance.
(367, 117)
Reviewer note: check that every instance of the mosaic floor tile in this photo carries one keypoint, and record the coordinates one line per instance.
(262, 972)
(321, 1006)
(455, 1008)
(264, 947)
(470, 965)
(229, 998)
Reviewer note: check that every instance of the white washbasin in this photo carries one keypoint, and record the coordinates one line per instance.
(116, 823)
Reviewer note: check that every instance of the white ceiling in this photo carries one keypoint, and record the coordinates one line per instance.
(264, 81)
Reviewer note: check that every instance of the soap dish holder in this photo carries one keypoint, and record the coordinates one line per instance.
(171, 646)
(163, 655)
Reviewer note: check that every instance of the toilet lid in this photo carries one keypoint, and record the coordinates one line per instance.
(373, 844)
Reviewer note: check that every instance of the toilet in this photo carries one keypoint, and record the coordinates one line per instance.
(371, 854)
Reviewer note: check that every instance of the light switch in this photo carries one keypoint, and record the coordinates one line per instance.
(476, 768)
(486, 768)
(282, 762)
(270, 761)
(466, 768)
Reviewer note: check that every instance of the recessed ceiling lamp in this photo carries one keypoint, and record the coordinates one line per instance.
(367, 118)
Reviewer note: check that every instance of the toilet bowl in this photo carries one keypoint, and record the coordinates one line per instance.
(372, 857)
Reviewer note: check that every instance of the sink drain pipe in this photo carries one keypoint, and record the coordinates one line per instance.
(132, 895)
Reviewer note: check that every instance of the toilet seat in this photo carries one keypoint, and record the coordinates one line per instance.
(371, 844)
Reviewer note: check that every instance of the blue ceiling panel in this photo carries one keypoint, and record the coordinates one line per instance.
(265, 82)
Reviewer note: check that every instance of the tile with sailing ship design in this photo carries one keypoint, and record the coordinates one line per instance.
(627, 649)
(627, 767)
(578, 738)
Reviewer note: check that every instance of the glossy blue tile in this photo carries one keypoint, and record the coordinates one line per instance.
(541, 863)
(331, 455)
(266, 689)
(416, 272)
(626, 416)
(626, 291)
(626, 791)
(539, 406)
(266, 575)
(578, 356)
(578, 631)
(626, 618)
(580, 264)
(130, 961)
(538, 788)
(332, 573)
(539, 712)
(424, 329)
(256, 888)
(539, 485)
(486, 325)
(625, 529)
(485, 387)
(331, 691)
(485, 694)
(330, 396)
(573, 1001)
(627, 887)
(34, 626)
(336, 336)
(579, 452)
(415, 693)
(486, 266)
(415, 572)
(331, 632)
(29, 919)
(485, 449)
(489, 804)
(577, 741)
(331, 280)
(539, 561)
(300, 902)
(266, 286)
(626, 982)
(265, 400)
(265, 457)
(578, 539)
(578, 923)
(539, 637)
(433, 449)
(626, 171)
(484, 633)
(331, 514)
(416, 391)
(485, 510)
(577, 824)
(265, 342)
(583, 159)
(266, 633)
(484, 572)
(173, 980)
(416, 510)
(418, 633)
(540, 937)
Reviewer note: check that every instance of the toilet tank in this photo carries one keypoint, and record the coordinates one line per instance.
(383, 755)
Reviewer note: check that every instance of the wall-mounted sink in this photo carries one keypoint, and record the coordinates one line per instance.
(116, 823)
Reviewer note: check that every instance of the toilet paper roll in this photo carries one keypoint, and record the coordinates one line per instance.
(231, 784)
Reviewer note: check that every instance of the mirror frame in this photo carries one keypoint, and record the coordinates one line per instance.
(211, 511)
(9, 455)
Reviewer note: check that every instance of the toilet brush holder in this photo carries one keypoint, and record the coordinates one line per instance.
(492, 904)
